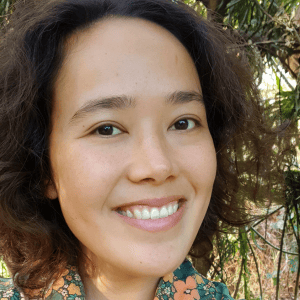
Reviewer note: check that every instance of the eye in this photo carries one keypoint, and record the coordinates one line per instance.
(183, 124)
(107, 129)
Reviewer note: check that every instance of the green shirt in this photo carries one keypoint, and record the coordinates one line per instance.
(185, 283)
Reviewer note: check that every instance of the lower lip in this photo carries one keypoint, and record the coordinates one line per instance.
(155, 225)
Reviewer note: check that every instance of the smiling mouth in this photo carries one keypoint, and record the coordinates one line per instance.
(146, 212)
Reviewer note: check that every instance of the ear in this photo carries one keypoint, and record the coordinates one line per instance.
(51, 191)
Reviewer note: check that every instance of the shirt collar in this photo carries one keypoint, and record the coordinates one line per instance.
(183, 280)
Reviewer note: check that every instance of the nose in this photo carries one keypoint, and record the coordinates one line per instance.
(152, 160)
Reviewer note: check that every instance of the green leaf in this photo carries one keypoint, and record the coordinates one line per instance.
(232, 3)
(278, 83)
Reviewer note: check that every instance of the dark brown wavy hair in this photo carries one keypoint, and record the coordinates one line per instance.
(35, 241)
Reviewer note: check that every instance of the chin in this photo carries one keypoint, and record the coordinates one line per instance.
(157, 267)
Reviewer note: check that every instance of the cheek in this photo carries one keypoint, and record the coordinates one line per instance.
(201, 164)
(82, 173)
(202, 173)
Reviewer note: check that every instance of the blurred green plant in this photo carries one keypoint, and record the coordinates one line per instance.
(269, 32)
(5, 8)
(4, 273)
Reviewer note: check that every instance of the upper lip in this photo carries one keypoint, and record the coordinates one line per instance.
(156, 202)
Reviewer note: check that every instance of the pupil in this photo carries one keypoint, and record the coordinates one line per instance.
(104, 130)
(182, 124)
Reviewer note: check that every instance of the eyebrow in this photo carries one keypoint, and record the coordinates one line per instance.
(124, 102)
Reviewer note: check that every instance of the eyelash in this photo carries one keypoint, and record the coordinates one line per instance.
(197, 124)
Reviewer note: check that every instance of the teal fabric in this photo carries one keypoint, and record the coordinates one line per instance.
(185, 283)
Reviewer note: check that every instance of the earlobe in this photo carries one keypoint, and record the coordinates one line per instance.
(51, 191)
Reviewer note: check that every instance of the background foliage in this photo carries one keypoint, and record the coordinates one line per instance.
(262, 261)
(259, 261)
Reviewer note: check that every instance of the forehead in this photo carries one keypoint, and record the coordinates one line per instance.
(124, 56)
(114, 40)
(134, 33)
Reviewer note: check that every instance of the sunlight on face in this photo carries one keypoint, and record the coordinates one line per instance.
(103, 157)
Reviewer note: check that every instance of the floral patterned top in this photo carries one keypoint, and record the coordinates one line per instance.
(185, 283)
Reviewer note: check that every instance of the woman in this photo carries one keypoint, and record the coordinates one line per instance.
(117, 124)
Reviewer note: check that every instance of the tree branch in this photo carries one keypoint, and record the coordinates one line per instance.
(273, 53)
(239, 280)
(217, 11)
(283, 251)
(269, 214)
(257, 268)
(262, 9)
(283, 76)
(280, 253)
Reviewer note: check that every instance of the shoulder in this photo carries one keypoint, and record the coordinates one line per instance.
(67, 286)
(8, 291)
(188, 280)
(208, 289)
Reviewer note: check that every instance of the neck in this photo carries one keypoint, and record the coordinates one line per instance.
(122, 288)
(113, 283)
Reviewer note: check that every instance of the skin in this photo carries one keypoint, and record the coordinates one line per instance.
(146, 155)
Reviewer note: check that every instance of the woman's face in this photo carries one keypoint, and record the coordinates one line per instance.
(153, 148)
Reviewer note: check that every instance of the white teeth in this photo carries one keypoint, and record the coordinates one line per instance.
(145, 214)
(137, 214)
(175, 207)
(170, 209)
(154, 213)
(163, 212)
